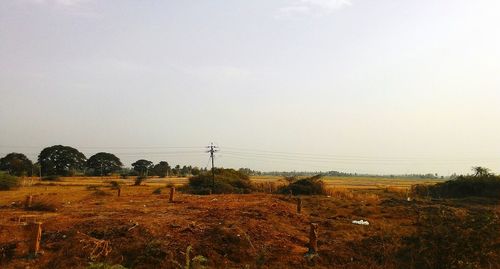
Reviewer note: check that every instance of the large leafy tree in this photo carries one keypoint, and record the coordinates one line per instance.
(104, 163)
(16, 164)
(162, 169)
(142, 166)
(61, 160)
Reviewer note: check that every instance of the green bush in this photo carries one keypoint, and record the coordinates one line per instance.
(8, 182)
(487, 185)
(226, 181)
(306, 186)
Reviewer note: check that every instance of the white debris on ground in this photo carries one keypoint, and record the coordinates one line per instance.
(361, 222)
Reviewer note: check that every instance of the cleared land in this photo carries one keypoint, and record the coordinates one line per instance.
(144, 230)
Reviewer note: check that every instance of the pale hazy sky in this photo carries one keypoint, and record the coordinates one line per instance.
(387, 86)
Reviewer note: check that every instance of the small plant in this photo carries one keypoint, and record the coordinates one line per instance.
(157, 191)
(138, 180)
(196, 262)
(8, 182)
(101, 265)
(115, 184)
(43, 204)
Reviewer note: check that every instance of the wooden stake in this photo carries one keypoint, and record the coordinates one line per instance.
(119, 191)
(35, 233)
(29, 201)
(313, 238)
(299, 205)
(172, 192)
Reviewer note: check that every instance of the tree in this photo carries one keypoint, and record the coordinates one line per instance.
(61, 160)
(176, 170)
(195, 171)
(161, 169)
(481, 171)
(142, 166)
(16, 164)
(185, 170)
(104, 163)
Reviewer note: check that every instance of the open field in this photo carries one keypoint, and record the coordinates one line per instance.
(344, 182)
(140, 229)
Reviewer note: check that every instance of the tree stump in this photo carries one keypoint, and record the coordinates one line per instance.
(313, 238)
(299, 205)
(35, 235)
(29, 201)
(172, 193)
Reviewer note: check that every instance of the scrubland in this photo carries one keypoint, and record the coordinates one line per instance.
(86, 225)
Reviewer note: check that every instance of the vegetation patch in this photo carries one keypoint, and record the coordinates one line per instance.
(43, 205)
(481, 184)
(305, 186)
(8, 182)
(226, 181)
(445, 238)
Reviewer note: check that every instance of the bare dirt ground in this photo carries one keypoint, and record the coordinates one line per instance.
(140, 229)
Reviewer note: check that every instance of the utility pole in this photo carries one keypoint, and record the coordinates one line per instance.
(212, 149)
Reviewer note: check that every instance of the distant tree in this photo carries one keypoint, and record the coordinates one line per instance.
(161, 169)
(176, 170)
(185, 170)
(16, 164)
(104, 163)
(195, 171)
(481, 171)
(142, 166)
(61, 160)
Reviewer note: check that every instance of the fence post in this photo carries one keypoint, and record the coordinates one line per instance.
(29, 201)
(299, 205)
(35, 233)
(172, 192)
(313, 238)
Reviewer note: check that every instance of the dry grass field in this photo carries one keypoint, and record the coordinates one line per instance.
(86, 225)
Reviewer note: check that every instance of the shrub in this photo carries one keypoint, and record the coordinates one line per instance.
(8, 182)
(157, 191)
(43, 204)
(138, 180)
(306, 186)
(115, 184)
(226, 181)
(463, 186)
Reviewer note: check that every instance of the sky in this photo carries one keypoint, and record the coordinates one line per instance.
(384, 87)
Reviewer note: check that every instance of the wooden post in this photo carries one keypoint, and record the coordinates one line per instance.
(29, 201)
(313, 238)
(35, 233)
(299, 205)
(119, 191)
(172, 192)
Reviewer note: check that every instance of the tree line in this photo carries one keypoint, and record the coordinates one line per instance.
(61, 160)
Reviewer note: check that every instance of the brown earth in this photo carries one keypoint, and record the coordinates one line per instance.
(143, 230)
